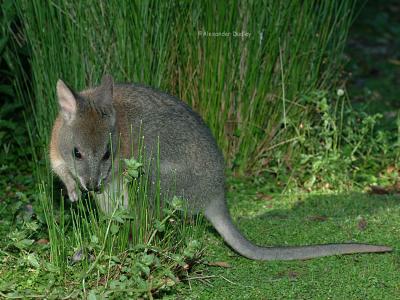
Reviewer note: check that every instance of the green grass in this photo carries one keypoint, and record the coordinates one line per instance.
(141, 250)
(282, 220)
(249, 90)
(306, 219)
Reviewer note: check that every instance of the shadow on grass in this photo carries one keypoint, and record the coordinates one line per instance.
(339, 205)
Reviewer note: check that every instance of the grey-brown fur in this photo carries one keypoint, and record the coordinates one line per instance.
(189, 157)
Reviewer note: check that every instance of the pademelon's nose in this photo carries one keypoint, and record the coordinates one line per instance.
(93, 185)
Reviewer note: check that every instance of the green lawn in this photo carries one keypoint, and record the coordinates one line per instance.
(308, 219)
(279, 220)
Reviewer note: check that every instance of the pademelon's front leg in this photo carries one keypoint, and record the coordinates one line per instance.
(72, 187)
(59, 165)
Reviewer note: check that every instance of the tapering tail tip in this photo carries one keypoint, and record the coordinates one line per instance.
(381, 249)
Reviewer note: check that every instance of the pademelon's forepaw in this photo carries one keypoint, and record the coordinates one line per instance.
(74, 193)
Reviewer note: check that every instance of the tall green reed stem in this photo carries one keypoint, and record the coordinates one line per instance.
(248, 88)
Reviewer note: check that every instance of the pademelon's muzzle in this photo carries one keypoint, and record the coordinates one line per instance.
(97, 189)
(94, 186)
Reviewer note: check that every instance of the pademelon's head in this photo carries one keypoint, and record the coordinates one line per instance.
(87, 139)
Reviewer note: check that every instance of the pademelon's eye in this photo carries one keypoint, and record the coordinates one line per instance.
(106, 155)
(77, 154)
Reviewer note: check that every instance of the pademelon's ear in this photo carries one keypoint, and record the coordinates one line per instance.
(67, 101)
(106, 88)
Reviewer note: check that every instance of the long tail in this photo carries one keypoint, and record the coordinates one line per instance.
(217, 213)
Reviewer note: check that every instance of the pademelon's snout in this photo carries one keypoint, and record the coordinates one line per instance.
(93, 185)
